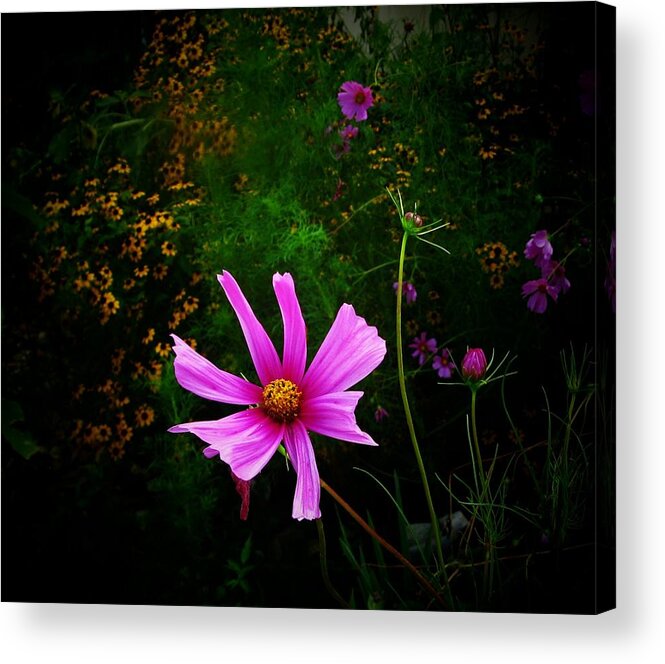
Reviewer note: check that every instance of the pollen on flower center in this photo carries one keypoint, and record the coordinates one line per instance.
(281, 400)
(360, 97)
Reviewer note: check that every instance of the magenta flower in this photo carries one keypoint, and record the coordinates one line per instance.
(537, 291)
(290, 400)
(422, 347)
(474, 364)
(380, 413)
(348, 133)
(443, 364)
(538, 248)
(555, 273)
(409, 290)
(354, 100)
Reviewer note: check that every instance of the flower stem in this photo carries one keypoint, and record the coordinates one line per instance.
(407, 411)
(324, 567)
(474, 434)
(484, 491)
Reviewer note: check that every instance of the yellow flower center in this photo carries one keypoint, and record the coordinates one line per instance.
(281, 400)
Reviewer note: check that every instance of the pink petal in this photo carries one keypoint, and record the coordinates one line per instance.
(308, 488)
(202, 377)
(264, 355)
(245, 440)
(333, 415)
(351, 350)
(295, 338)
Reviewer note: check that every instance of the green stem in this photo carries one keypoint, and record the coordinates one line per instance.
(476, 445)
(407, 411)
(324, 567)
(484, 484)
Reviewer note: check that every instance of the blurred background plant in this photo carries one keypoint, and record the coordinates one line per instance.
(215, 141)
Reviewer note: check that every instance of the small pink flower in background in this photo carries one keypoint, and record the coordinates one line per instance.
(538, 248)
(409, 291)
(443, 364)
(290, 400)
(242, 487)
(537, 291)
(555, 273)
(348, 133)
(474, 364)
(354, 100)
(422, 347)
(380, 413)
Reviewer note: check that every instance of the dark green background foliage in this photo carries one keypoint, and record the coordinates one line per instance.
(231, 118)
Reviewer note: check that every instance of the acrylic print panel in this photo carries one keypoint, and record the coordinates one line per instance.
(311, 308)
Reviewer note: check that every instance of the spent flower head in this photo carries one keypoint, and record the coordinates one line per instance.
(412, 222)
(380, 413)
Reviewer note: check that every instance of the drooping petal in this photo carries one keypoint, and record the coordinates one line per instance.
(204, 379)
(308, 489)
(537, 303)
(264, 355)
(295, 338)
(351, 350)
(245, 440)
(333, 415)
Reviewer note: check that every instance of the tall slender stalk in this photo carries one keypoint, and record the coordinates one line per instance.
(488, 516)
(436, 533)
(474, 435)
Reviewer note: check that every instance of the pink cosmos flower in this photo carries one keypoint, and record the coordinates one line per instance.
(555, 273)
(290, 401)
(348, 133)
(474, 364)
(422, 347)
(354, 100)
(443, 364)
(538, 248)
(537, 291)
(409, 290)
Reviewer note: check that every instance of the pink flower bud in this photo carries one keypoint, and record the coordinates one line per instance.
(474, 364)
